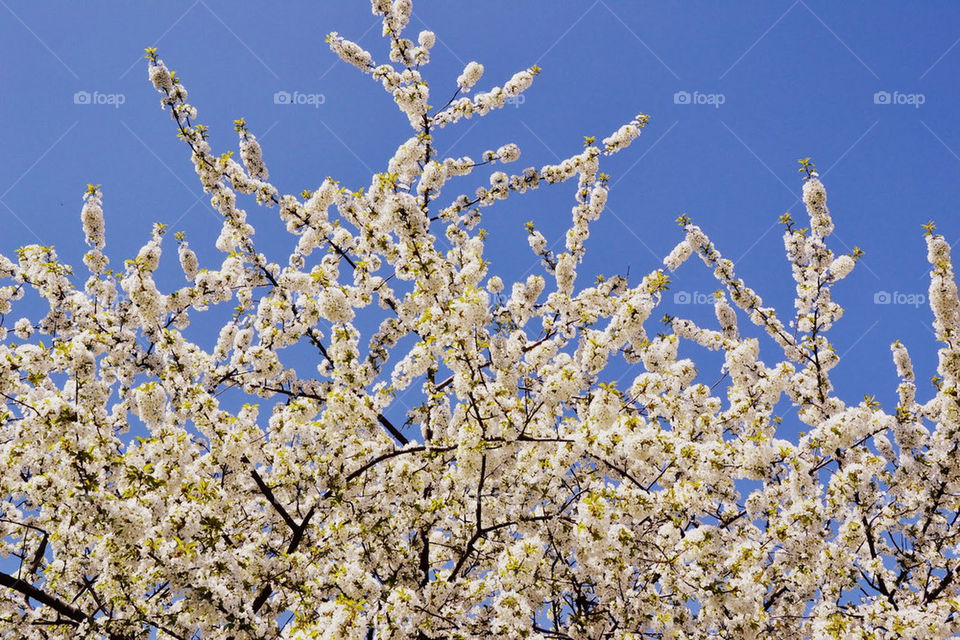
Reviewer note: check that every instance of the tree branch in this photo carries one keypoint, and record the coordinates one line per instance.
(42, 597)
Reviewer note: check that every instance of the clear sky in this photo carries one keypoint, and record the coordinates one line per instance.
(737, 92)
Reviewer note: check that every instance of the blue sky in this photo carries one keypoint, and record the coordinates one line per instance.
(795, 79)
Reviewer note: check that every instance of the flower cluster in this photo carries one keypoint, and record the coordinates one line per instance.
(470, 76)
(92, 217)
(350, 52)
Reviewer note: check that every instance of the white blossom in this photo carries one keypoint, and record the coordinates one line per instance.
(160, 76)
(626, 134)
(471, 74)
(252, 156)
(188, 261)
(23, 328)
(508, 153)
(350, 52)
(334, 305)
(841, 267)
(92, 217)
(427, 39)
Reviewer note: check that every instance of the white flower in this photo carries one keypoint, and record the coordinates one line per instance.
(902, 360)
(426, 39)
(316, 206)
(508, 153)
(333, 305)
(92, 217)
(149, 256)
(598, 200)
(498, 179)
(519, 82)
(814, 194)
(412, 100)
(938, 249)
(679, 255)
(23, 328)
(350, 52)
(433, 177)
(537, 242)
(566, 273)
(726, 316)
(841, 267)
(252, 156)
(188, 261)
(815, 197)
(471, 74)
(160, 76)
(626, 134)
(150, 400)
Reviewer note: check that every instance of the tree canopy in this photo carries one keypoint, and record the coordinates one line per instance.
(525, 496)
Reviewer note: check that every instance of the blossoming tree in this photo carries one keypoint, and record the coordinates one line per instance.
(530, 498)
